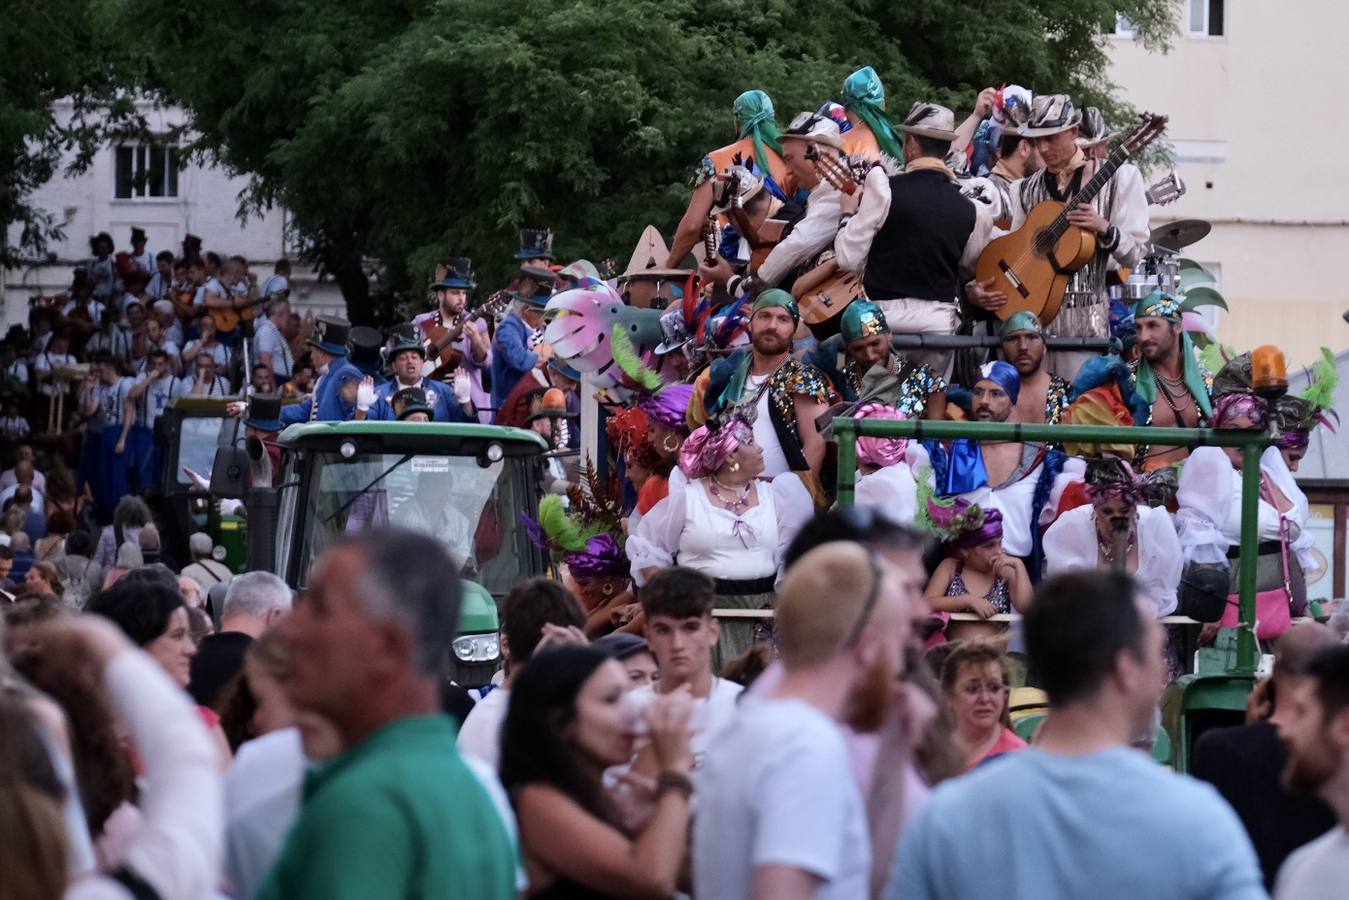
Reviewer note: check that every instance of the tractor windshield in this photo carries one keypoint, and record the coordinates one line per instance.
(474, 511)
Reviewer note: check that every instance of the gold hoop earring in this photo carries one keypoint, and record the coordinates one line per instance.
(670, 444)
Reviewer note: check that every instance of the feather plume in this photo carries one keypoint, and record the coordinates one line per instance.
(1196, 297)
(626, 357)
(945, 518)
(1215, 356)
(567, 534)
(1325, 377)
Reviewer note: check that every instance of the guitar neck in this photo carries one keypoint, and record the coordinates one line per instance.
(1093, 187)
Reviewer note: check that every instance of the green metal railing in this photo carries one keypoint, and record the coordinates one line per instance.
(1252, 444)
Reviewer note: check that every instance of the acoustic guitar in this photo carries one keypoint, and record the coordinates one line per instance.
(823, 292)
(441, 339)
(228, 318)
(1032, 265)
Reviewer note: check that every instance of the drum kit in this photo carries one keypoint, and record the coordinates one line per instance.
(1160, 268)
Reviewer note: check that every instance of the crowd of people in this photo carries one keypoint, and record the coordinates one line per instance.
(735, 688)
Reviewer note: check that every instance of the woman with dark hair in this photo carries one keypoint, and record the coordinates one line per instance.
(60, 523)
(975, 690)
(130, 516)
(570, 719)
(153, 615)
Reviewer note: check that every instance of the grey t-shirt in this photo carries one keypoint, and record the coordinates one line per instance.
(1318, 871)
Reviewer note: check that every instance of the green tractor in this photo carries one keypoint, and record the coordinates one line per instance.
(465, 485)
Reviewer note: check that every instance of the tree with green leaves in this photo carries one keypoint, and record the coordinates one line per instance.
(61, 98)
(395, 134)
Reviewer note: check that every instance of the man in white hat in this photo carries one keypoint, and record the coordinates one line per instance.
(816, 230)
(1118, 216)
(915, 238)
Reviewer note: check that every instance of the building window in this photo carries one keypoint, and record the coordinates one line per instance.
(146, 171)
(1123, 27)
(1205, 18)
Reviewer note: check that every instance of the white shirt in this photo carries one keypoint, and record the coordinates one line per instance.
(1209, 518)
(812, 234)
(687, 527)
(15, 427)
(891, 489)
(480, 735)
(777, 788)
(1071, 544)
(1317, 871)
(711, 714)
(46, 361)
(765, 435)
(39, 502)
(1128, 212)
(267, 338)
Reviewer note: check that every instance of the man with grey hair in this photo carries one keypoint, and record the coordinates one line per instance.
(514, 351)
(254, 602)
(203, 569)
(269, 341)
(399, 812)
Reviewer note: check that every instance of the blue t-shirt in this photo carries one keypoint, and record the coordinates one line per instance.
(1040, 826)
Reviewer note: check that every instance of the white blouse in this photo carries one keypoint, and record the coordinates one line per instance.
(892, 489)
(685, 528)
(1070, 544)
(1209, 519)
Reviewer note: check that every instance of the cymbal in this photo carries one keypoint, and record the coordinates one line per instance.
(1175, 235)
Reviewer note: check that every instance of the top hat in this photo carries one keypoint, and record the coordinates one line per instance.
(455, 272)
(535, 243)
(137, 234)
(930, 120)
(365, 345)
(264, 412)
(405, 337)
(330, 335)
(807, 126)
(412, 400)
(1050, 114)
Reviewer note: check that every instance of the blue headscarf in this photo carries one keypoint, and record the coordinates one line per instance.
(1004, 375)
(864, 94)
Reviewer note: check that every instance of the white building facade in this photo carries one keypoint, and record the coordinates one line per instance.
(1255, 95)
(140, 185)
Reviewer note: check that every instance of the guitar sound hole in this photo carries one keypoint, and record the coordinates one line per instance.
(1044, 243)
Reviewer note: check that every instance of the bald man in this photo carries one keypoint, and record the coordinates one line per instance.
(780, 813)
(1244, 763)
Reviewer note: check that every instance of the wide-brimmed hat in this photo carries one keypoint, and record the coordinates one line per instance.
(930, 120)
(535, 243)
(1094, 128)
(264, 412)
(330, 335)
(455, 272)
(365, 346)
(648, 259)
(413, 400)
(564, 370)
(674, 332)
(1050, 114)
(808, 126)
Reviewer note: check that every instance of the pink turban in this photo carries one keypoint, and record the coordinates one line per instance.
(880, 451)
(704, 451)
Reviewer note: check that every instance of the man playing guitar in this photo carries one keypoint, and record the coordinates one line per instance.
(1118, 216)
(450, 325)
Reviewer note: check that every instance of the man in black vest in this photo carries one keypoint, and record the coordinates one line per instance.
(914, 236)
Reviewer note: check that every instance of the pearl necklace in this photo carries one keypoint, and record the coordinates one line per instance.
(735, 505)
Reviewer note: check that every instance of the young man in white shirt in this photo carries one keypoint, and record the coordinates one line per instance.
(1314, 727)
(681, 632)
(780, 814)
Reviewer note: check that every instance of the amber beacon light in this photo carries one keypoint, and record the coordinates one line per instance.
(1269, 373)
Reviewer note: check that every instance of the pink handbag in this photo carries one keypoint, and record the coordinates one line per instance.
(1273, 609)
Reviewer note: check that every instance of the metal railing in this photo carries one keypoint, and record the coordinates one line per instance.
(1252, 444)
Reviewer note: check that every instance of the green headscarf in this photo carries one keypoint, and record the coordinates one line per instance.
(754, 113)
(1161, 306)
(861, 319)
(1020, 321)
(776, 297)
(864, 94)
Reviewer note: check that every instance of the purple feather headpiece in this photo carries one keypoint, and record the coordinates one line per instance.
(669, 406)
(990, 529)
(960, 523)
(602, 556)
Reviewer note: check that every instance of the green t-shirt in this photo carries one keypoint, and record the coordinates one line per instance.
(398, 816)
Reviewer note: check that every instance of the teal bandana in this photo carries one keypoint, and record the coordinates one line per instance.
(776, 297)
(1160, 306)
(1021, 321)
(860, 320)
(754, 113)
(864, 94)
